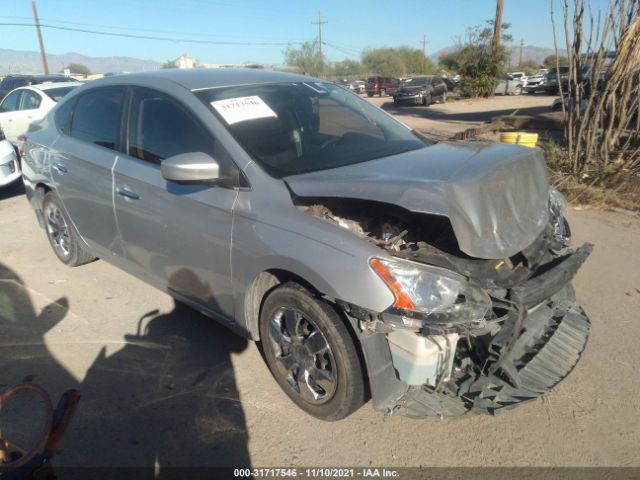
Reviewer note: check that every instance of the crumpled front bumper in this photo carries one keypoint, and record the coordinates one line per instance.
(414, 98)
(536, 347)
(553, 338)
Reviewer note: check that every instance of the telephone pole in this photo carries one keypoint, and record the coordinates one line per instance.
(521, 44)
(497, 26)
(320, 23)
(42, 52)
(424, 43)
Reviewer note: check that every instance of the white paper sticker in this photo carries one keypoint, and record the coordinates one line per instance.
(241, 109)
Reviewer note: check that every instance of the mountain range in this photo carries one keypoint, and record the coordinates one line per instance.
(19, 61)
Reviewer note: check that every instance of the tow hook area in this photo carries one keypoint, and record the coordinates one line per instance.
(552, 339)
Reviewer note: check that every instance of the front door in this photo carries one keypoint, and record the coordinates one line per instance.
(177, 236)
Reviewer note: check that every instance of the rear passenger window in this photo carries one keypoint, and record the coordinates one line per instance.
(30, 100)
(96, 118)
(159, 128)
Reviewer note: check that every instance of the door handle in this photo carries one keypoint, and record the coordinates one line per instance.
(125, 192)
(60, 168)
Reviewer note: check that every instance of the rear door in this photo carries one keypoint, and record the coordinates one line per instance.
(81, 161)
(10, 115)
(177, 236)
(28, 110)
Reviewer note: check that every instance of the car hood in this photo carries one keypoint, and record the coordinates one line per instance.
(495, 195)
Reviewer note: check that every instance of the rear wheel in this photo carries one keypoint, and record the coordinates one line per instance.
(518, 90)
(61, 235)
(443, 98)
(369, 94)
(311, 354)
(383, 92)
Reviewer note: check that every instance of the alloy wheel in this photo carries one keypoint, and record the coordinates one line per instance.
(58, 230)
(303, 355)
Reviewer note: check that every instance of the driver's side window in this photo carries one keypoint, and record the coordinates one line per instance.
(10, 102)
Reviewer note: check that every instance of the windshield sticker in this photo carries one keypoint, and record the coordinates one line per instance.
(241, 109)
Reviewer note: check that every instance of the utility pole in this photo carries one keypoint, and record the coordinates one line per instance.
(320, 23)
(42, 52)
(497, 26)
(424, 43)
(521, 44)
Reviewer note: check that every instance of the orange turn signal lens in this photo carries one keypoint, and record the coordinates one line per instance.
(402, 299)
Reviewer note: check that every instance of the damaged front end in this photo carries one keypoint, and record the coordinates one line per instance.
(464, 333)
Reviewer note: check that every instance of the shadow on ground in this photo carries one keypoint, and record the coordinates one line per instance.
(167, 399)
(12, 190)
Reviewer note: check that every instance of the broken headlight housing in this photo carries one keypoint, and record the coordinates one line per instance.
(426, 294)
(558, 211)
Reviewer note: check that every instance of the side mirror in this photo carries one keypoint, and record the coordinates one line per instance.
(194, 167)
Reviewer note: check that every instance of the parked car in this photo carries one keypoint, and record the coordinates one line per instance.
(28, 104)
(509, 86)
(357, 86)
(12, 82)
(381, 86)
(421, 91)
(536, 83)
(434, 277)
(521, 76)
(556, 106)
(9, 164)
(551, 85)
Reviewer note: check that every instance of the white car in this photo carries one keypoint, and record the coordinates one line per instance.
(521, 76)
(27, 104)
(9, 165)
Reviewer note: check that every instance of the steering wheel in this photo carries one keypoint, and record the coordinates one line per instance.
(7, 466)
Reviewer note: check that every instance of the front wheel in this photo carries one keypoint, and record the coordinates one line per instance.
(518, 90)
(311, 354)
(426, 100)
(61, 235)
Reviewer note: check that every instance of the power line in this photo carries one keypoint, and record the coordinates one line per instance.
(147, 37)
(138, 29)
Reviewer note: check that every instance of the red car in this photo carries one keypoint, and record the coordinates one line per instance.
(381, 86)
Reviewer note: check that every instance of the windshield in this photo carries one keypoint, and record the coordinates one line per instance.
(292, 128)
(418, 81)
(57, 93)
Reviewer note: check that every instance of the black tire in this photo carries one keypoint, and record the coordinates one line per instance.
(426, 100)
(396, 103)
(369, 94)
(344, 390)
(383, 92)
(518, 90)
(61, 234)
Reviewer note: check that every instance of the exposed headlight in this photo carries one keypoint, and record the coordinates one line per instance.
(558, 212)
(430, 294)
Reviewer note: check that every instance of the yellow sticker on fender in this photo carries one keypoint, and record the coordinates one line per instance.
(241, 109)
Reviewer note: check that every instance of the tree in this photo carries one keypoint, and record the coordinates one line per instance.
(306, 57)
(479, 65)
(449, 61)
(550, 61)
(79, 69)
(169, 64)
(399, 61)
(345, 68)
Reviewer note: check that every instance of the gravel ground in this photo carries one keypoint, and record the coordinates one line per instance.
(162, 385)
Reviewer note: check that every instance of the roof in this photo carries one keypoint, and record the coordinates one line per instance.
(203, 78)
(49, 85)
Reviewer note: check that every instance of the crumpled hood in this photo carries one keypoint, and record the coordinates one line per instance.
(413, 89)
(494, 194)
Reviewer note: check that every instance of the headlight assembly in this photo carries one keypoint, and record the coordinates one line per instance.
(426, 294)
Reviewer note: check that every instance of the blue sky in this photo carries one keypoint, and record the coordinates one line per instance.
(353, 25)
